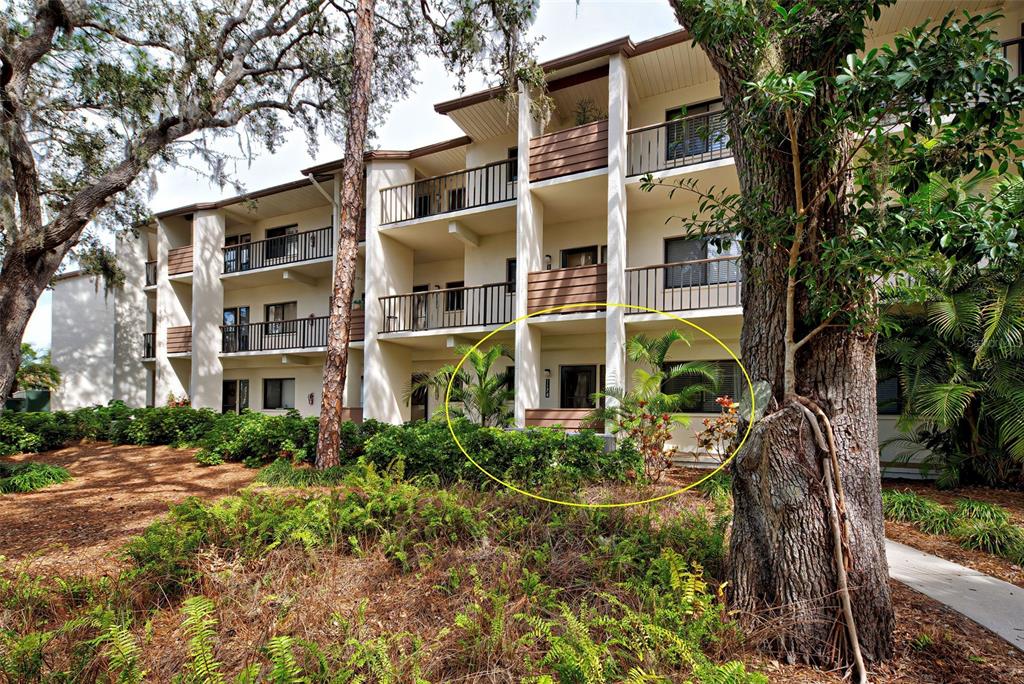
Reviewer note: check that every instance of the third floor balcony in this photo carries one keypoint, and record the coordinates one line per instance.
(466, 189)
(677, 143)
(454, 307)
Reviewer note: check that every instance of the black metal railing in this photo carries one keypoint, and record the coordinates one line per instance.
(300, 333)
(455, 307)
(150, 273)
(477, 187)
(679, 142)
(1013, 52)
(286, 249)
(149, 345)
(685, 285)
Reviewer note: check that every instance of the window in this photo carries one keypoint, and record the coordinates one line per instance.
(513, 165)
(235, 333)
(730, 382)
(889, 395)
(456, 199)
(237, 259)
(510, 275)
(453, 298)
(689, 134)
(422, 206)
(234, 396)
(685, 249)
(278, 393)
(580, 256)
(578, 384)
(280, 317)
(282, 242)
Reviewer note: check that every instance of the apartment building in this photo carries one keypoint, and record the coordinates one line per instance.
(226, 302)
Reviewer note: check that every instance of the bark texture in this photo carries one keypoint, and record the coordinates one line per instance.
(352, 207)
(781, 560)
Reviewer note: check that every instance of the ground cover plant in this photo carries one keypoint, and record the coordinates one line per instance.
(975, 525)
(29, 476)
(466, 584)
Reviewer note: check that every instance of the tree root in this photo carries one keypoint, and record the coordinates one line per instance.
(837, 515)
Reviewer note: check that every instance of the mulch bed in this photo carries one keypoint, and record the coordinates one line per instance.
(945, 546)
(117, 491)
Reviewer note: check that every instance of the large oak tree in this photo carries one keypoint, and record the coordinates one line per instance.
(828, 147)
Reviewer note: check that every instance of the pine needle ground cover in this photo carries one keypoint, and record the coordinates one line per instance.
(380, 578)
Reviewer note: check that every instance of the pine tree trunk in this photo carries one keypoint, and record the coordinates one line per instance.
(352, 207)
(22, 281)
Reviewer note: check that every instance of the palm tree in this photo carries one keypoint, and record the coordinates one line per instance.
(646, 413)
(35, 372)
(479, 393)
(959, 357)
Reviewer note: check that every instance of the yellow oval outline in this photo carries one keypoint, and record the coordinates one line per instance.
(577, 504)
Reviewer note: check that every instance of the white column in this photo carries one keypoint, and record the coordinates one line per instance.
(169, 314)
(207, 308)
(618, 123)
(130, 376)
(529, 257)
(387, 367)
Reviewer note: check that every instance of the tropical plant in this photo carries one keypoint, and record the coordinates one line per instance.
(480, 392)
(646, 414)
(959, 357)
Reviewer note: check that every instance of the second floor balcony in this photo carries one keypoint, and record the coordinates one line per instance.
(477, 187)
(456, 307)
(294, 248)
(275, 336)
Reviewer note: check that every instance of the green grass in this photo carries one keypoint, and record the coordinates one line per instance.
(30, 476)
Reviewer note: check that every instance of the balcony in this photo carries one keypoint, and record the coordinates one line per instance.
(466, 189)
(179, 340)
(278, 251)
(576, 285)
(457, 307)
(275, 336)
(149, 345)
(150, 273)
(179, 260)
(685, 285)
(677, 143)
(573, 150)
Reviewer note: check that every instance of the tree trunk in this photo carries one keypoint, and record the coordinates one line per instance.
(22, 281)
(781, 560)
(352, 207)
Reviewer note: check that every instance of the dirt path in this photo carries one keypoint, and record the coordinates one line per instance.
(116, 492)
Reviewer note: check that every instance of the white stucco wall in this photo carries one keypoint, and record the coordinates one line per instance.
(82, 343)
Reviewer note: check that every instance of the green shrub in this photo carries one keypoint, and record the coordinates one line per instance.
(282, 473)
(14, 439)
(1000, 538)
(970, 509)
(905, 506)
(29, 476)
(937, 520)
(256, 439)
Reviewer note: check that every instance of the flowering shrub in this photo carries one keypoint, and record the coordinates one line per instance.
(719, 433)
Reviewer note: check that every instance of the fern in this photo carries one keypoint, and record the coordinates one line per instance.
(284, 668)
(200, 624)
(123, 654)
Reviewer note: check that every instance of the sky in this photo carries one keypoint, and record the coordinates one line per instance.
(564, 28)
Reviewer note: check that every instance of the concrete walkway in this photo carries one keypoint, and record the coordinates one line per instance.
(992, 603)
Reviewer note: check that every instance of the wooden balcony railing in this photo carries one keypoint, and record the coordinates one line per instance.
(150, 273)
(685, 285)
(454, 307)
(352, 413)
(277, 251)
(299, 333)
(679, 142)
(572, 150)
(179, 340)
(576, 285)
(476, 187)
(149, 345)
(357, 326)
(179, 260)
(566, 419)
